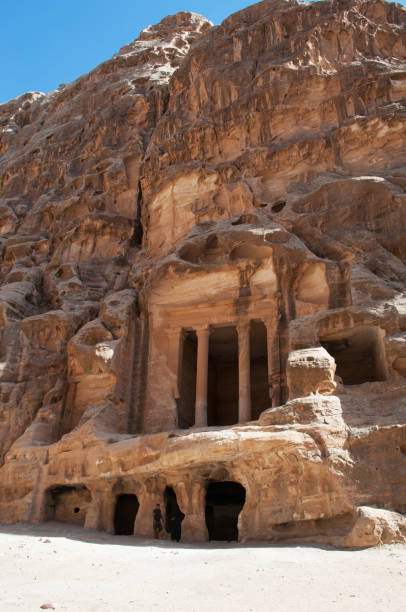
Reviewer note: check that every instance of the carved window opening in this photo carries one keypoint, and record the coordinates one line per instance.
(126, 510)
(223, 377)
(259, 369)
(186, 402)
(67, 504)
(358, 353)
(224, 502)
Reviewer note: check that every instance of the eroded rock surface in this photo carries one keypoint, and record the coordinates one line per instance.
(203, 281)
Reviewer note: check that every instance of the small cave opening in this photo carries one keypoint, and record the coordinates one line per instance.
(224, 502)
(126, 510)
(222, 396)
(67, 504)
(278, 206)
(260, 400)
(190, 252)
(188, 369)
(359, 354)
(173, 514)
(212, 242)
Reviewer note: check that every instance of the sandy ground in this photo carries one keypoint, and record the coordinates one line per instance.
(81, 570)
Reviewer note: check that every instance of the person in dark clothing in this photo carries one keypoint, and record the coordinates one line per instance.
(210, 521)
(157, 521)
(176, 525)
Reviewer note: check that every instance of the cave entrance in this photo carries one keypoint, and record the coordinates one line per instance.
(186, 402)
(259, 369)
(125, 514)
(222, 397)
(224, 502)
(68, 504)
(173, 514)
(358, 353)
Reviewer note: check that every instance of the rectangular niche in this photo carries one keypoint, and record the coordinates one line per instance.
(359, 354)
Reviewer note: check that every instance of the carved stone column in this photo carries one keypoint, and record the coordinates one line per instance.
(191, 497)
(100, 512)
(244, 383)
(175, 351)
(203, 335)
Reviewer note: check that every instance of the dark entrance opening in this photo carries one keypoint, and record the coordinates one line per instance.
(173, 514)
(223, 377)
(67, 504)
(358, 353)
(259, 369)
(224, 502)
(186, 402)
(125, 514)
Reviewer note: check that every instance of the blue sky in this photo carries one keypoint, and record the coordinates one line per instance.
(46, 42)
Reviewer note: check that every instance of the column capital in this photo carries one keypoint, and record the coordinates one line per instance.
(243, 327)
(202, 330)
(175, 331)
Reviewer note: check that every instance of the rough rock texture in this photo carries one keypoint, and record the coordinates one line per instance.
(203, 281)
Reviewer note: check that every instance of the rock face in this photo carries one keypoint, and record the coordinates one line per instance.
(203, 281)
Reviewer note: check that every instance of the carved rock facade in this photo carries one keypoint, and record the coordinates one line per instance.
(203, 279)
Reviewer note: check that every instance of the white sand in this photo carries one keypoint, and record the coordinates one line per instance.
(83, 571)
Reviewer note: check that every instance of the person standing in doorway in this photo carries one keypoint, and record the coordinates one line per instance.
(176, 525)
(157, 521)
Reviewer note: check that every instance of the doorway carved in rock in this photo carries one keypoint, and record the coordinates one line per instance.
(126, 510)
(224, 502)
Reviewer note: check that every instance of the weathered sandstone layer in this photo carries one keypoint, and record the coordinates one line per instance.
(203, 281)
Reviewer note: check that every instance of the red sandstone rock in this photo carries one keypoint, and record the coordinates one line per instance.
(203, 276)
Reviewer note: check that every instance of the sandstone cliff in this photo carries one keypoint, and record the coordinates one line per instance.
(203, 280)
